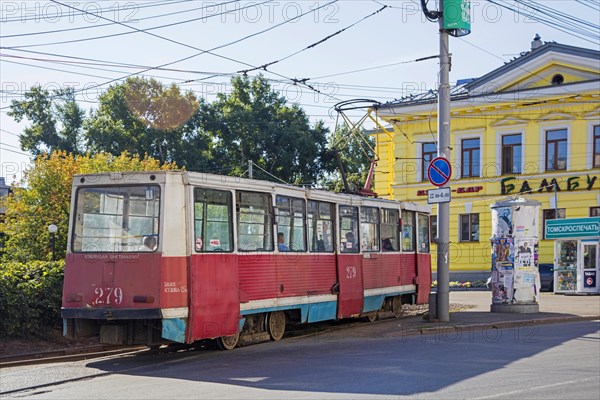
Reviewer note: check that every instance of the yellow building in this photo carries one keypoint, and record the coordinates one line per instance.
(530, 127)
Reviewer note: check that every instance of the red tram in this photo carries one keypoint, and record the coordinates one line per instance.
(168, 256)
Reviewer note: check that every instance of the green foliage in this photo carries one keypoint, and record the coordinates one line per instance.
(255, 123)
(252, 122)
(355, 152)
(56, 120)
(141, 116)
(44, 198)
(30, 297)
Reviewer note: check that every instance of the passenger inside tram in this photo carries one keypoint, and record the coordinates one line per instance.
(281, 242)
(386, 245)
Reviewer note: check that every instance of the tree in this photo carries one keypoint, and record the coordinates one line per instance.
(56, 120)
(355, 155)
(255, 123)
(44, 198)
(142, 116)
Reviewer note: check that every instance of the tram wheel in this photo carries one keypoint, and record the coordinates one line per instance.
(276, 325)
(397, 306)
(228, 342)
(371, 317)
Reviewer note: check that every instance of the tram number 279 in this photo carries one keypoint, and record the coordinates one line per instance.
(350, 272)
(108, 295)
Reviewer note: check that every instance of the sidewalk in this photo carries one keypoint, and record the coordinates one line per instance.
(553, 309)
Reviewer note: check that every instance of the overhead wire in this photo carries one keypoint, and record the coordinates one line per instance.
(318, 42)
(210, 51)
(53, 17)
(555, 24)
(145, 30)
(79, 28)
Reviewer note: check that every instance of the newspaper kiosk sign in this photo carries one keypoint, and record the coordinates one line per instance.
(572, 228)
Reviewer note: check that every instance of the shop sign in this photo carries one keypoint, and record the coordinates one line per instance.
(572, 183)
(572, 228)
(470, 189)
(589, 279)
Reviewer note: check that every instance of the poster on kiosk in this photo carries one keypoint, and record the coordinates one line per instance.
(576, 254)
(515, 277)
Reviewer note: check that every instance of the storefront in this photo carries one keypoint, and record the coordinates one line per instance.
(576, 254)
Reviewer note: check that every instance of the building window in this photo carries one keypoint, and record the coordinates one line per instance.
(594, 211)
(556, 150)
(558, 213)
(469, 227)
(429, 153)
(596, 155)
(470, 157)
(433, 228)
(511, 154)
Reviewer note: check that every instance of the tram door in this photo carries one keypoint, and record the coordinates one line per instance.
(349, 264)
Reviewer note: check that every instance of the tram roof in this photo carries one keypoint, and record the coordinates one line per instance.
(231, 182)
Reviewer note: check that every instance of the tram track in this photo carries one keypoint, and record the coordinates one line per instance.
(66, 355)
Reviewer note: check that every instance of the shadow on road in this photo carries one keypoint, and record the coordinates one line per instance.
(364, 361)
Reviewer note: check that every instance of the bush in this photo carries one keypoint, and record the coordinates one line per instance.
(30, 298)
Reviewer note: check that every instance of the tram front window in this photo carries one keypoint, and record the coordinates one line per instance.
(116, 219)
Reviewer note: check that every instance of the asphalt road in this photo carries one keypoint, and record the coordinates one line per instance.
(557, 361)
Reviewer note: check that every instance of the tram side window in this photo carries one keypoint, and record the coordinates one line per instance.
(348, 229)
(389, 229)
(423, 233)
(212, 221)
(291, 213)
(408, 230)
(320, 224)
(254, 221)
(116, 219)
(369, 229)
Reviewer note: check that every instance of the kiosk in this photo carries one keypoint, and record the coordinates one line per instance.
(515, 275)
(576, 254)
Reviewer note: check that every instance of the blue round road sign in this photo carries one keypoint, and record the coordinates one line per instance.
(439, 171)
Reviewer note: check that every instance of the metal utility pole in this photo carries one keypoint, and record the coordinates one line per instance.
(443, 250)
(454, 18)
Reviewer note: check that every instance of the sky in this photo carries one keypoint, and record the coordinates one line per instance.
(343, 49)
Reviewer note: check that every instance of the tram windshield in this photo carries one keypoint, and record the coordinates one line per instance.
(116, 219)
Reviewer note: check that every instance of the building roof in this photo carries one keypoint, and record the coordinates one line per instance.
(520, 68)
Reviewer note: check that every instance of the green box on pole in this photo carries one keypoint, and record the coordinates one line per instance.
(457, 17)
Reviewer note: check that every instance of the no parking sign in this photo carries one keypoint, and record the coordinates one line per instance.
(439, 171)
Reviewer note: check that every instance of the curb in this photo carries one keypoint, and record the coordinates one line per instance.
(497, 325)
